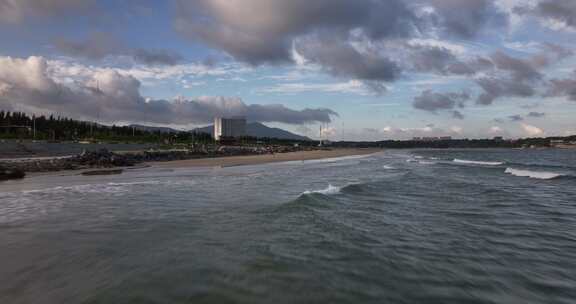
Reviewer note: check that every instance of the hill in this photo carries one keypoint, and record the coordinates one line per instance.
(257, 129)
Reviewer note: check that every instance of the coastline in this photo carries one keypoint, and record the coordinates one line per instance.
(231, 161)
(227, 161)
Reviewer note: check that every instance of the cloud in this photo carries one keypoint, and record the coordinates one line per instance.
(563, 88)
(536, 114)
(343, 60)
(495, 88)
(99, 45)
(561, 13)
(520, 70)
(349, 87)
(465, 19)
(425, 58)
(434, 102)
(532, 131)
(516, 118)
(496, 130)
(409, 133)
(106, 95)
(457, 114)
(267, 36)
(15, 11)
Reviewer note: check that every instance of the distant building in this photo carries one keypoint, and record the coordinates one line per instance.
(226, 128)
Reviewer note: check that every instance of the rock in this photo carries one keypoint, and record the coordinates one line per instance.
(8, 174)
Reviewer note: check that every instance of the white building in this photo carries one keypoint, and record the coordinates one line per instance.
(229, 127)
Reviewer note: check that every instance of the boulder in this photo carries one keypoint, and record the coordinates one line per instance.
(8, 174)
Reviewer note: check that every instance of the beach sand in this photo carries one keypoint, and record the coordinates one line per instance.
(231, 161)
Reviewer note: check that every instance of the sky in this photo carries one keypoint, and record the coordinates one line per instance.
(362, 69)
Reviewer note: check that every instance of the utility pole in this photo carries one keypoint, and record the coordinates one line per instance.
(34, 128)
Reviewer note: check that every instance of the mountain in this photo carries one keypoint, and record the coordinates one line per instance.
(154, 129)
(257, 129)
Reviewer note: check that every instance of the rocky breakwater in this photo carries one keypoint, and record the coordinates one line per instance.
(85, 160)
(8, 174)
(106, 159)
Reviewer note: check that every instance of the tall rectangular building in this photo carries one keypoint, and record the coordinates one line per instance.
(229, 127)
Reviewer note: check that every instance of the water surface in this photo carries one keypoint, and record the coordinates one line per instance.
(429, 226)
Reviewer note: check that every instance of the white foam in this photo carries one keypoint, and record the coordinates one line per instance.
(388, 167)
(474, 162)
(533, 174)
(424, 162)
(331, 190)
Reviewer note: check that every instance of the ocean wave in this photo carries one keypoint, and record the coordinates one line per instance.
(425, 162)
(388, 167)
(475, 162)
(533, 174)
(331, 190)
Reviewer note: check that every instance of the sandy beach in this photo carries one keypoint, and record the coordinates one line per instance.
(262, 159)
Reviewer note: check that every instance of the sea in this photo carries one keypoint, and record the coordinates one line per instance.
(400, 226)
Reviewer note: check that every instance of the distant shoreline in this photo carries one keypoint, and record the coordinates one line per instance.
(232, 161)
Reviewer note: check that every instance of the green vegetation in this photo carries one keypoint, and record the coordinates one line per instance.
(18, 125)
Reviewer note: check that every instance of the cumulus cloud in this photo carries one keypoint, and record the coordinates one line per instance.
(15, 11)
(343, 60)
(434, 102)
(100, 45)
(27, 84)
(532, 131)
(266, 36)
(328, 32)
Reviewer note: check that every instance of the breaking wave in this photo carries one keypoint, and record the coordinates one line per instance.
(475, 162)
(533, 174)
(331, 190)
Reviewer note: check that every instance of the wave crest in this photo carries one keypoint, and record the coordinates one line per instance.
(533, 174)
(331, 190)
(475, 162)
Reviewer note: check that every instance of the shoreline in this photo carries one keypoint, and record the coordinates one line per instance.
(226, 161)
(233, 161)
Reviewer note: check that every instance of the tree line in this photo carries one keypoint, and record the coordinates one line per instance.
(19, 125)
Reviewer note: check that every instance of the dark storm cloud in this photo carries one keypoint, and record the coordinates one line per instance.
(26, 84)
(434, 102)
(562, 11)
(100, 45)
